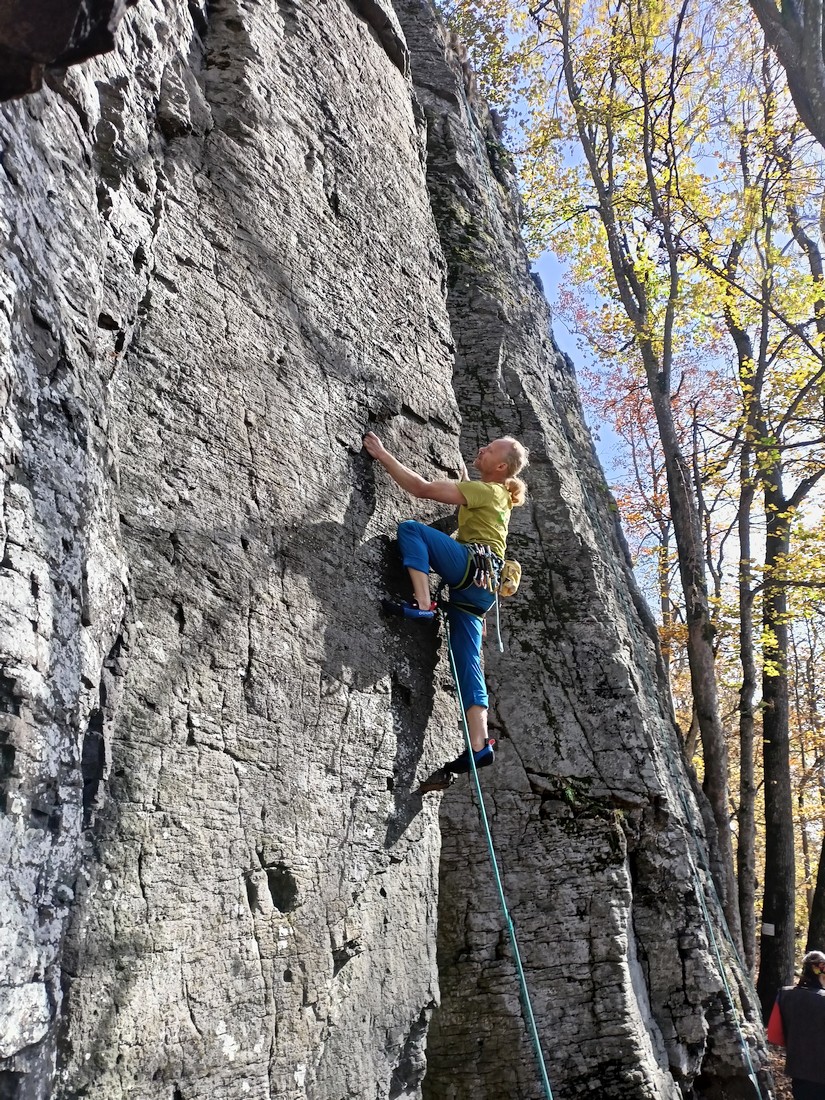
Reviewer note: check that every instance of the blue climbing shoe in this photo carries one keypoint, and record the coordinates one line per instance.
(409, 610)
(483, 758)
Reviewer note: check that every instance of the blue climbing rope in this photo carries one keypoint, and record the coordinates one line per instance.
(511, 932)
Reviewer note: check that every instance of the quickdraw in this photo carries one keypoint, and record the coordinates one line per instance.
(483, 569)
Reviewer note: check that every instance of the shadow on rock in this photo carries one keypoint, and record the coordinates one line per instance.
(361, 646)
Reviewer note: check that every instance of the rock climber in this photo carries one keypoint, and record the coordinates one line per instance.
(798, 1023)
(470, 564)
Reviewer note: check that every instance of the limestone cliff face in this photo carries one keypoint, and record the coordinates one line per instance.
(246, 236)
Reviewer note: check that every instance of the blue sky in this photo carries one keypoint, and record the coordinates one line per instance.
(553, 274)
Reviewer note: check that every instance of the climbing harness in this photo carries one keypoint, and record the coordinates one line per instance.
(483, 569)
(511, 932)
(488, 571)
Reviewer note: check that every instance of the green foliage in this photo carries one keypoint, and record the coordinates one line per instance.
(499, 42)
(662, 161)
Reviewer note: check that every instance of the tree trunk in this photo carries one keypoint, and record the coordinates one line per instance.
(689, 543)
(692, 735)
(794, 32)
(746, 814)
(777, 942)
(751, 389)
(807, 870)
(816, 917)
(816, 924)
(657, 357)
(665, 602)
(806, 851)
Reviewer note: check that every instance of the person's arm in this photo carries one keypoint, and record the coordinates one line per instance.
(446, 492)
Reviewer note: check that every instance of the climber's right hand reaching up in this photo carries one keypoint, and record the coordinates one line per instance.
(447, 492)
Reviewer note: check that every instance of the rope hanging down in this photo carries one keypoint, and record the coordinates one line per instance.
(511, 932)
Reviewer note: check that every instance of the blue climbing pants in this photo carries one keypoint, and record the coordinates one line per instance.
(428, 550)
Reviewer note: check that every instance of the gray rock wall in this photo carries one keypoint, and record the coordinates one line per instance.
(224, 268)
(589, 794)
(223, 264)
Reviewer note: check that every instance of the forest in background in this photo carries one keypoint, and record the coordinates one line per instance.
(667, 162)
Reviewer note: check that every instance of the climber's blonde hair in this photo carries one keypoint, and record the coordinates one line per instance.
(517, 459)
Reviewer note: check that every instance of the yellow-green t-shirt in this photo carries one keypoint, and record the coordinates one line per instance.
(486, 516)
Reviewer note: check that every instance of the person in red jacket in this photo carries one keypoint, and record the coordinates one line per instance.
(798, 1023)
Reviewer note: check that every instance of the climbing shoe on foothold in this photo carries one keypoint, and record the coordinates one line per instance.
(440, 780)
(483, 758)
(409, 610)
